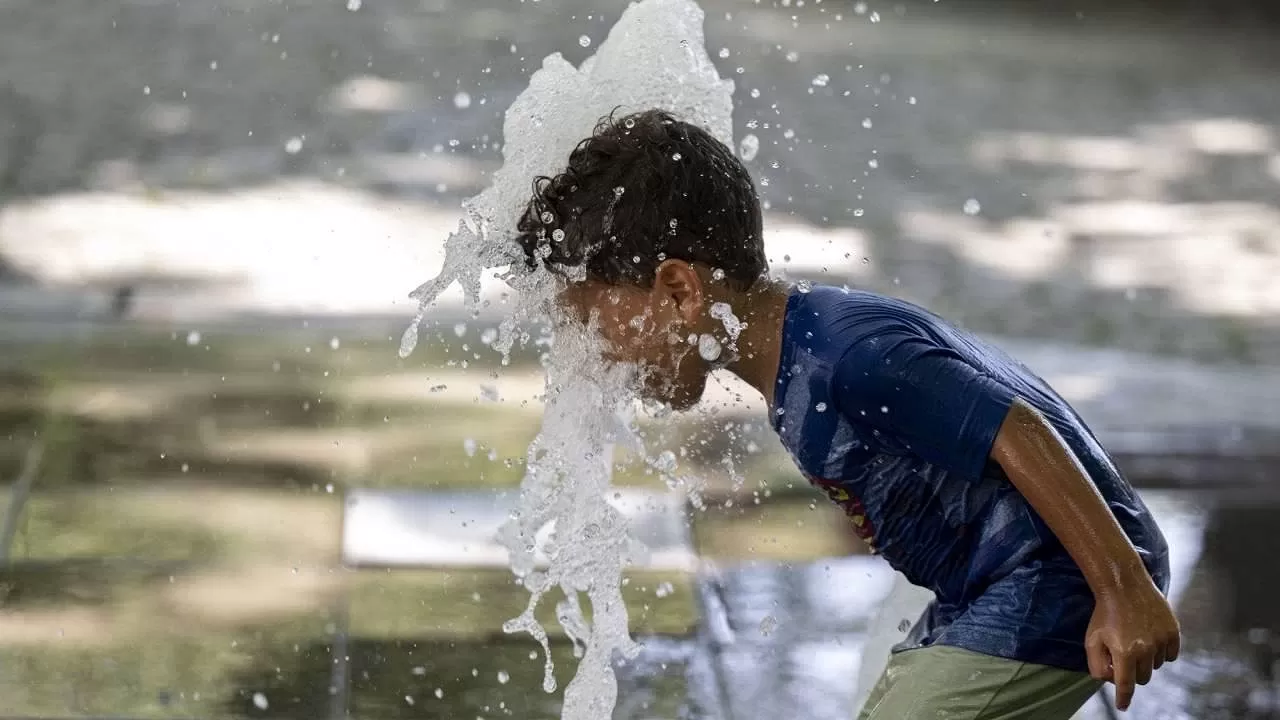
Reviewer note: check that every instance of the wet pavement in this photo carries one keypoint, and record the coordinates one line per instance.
(771, 638)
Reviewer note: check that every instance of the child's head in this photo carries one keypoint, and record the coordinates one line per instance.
(652, 222)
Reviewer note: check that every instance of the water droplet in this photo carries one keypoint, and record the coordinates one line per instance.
(717, 274)
(503, 677)
(584, 41)
(972, 207)
(419, 671)
(408, 700)
(193, 337)
(294, 146)
(547, 217)
(354, 5)
(749, 146)
(676, 157)
(821, 80)
(664, 589)
(665, 462)
(755, 92)
(439, 693)
(629, 123)
(460, 329)
(904, 625)
(804, 286)
(260, 701)
(488, 335)
(768, 625)
(860, 8)
(858, 212)
(884, 409)
(557, 235)
(866, 123)
(469, 446)
(709, 348)
(724, 52)
(820, 407)
(911, 100)
(462, 101)
(793, 56)
(334, 343)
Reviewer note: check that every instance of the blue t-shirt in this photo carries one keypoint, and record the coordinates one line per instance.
(892, 412)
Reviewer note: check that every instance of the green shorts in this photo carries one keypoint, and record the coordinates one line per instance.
(947, 683)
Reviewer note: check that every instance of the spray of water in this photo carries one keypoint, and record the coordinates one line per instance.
(654, 57)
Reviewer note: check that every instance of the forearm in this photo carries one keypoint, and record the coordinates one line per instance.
(1045, 470)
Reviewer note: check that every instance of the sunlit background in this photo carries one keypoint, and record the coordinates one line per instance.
(226, 496)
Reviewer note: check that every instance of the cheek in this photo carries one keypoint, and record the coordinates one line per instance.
(639, 331)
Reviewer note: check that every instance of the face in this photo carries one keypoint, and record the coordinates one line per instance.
(650, 327)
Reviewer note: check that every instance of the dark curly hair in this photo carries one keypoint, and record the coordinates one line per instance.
(642, 189)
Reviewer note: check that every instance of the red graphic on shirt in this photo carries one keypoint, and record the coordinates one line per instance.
(852, 507)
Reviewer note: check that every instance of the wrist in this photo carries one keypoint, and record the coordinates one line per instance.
(1121, 579)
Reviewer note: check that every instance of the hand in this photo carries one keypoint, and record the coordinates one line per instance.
(1130, 635)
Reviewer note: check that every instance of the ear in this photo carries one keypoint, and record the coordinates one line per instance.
(678, 283)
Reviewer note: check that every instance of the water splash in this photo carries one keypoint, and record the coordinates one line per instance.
(654, 57)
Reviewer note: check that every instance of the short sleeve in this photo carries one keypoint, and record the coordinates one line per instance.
(925, 396)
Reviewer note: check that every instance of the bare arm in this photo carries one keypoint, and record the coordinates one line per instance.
(1133, 629)
(1047, 473)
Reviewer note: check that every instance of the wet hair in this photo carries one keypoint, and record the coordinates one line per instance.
(642, 189)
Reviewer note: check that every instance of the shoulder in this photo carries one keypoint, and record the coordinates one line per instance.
(832, 323)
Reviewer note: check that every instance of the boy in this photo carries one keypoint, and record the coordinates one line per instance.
(968, 473)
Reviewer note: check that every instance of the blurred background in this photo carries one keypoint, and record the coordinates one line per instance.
(225, 495)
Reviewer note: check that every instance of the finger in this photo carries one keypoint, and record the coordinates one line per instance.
(1143, 667)
(1174, 647)
(1123, 666)
(1099, 660)
(1158, 659)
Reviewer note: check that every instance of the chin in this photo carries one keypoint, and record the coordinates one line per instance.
(683, 403)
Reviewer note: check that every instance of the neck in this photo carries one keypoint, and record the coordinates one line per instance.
(760, 344)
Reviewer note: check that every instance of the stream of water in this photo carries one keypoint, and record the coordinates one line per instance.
(654, 56)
